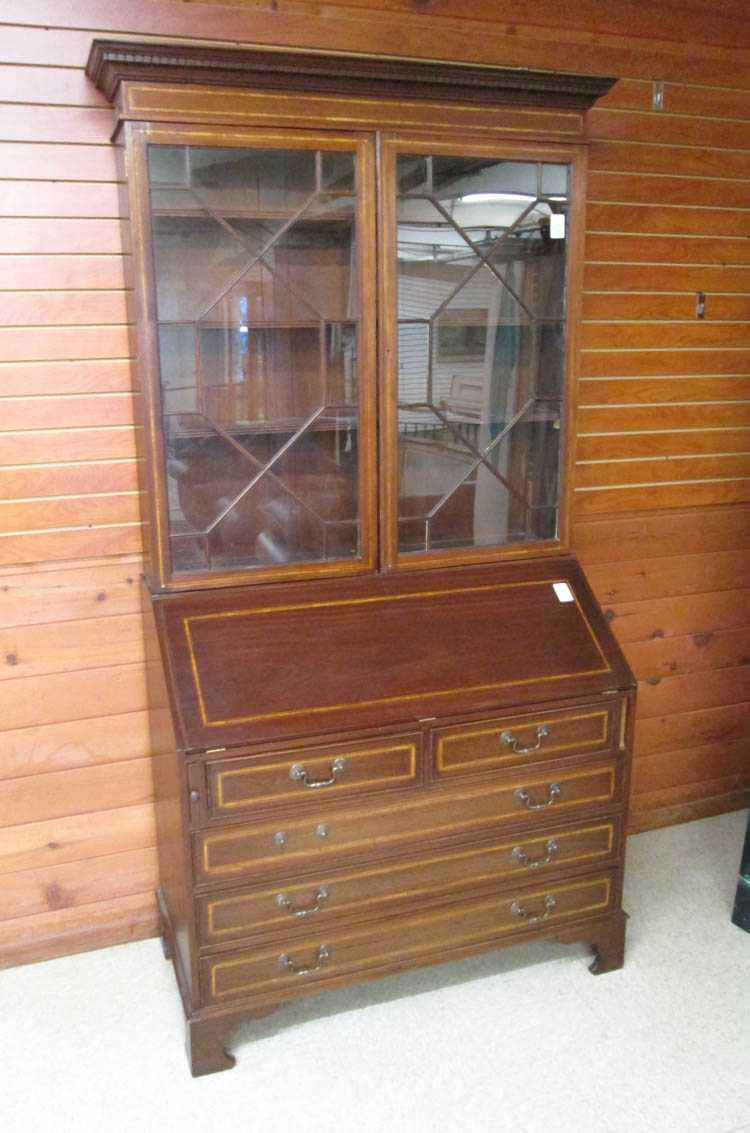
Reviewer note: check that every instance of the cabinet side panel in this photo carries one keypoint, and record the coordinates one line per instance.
(170, 792)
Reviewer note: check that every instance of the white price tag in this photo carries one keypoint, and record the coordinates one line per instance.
(557, 226)
(563, 592)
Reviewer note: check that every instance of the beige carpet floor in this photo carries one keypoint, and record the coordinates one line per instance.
(523, 1040)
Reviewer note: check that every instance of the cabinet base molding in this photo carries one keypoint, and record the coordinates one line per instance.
(206, 1040)
(208, 1035)
(607, 942)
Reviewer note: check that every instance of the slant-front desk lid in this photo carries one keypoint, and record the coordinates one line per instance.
(258, 663)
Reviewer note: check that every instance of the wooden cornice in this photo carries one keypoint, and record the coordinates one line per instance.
(112, 61)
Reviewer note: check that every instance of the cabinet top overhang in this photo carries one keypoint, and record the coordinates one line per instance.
(112, 61)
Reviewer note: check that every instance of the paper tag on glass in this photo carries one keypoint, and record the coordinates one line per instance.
(563, 592)
(557, 226)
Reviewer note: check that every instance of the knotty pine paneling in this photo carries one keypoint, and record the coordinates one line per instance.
(64, 308)
(682, 620)
(698, 764)
(39, 514)
(30, 651)
(684, 615)
(614, 246)
(657, 188)
(683, 278)
(98, 375)
(67, 930)
(79, 790)
(79, 836)
(64, 198)
(683, 731)
(667, 470)
(83, 543)
(74, 743)
(659, 442)
(34, 891)
(599, 501)
(68, 479)
(68, 124)
(646, 363)
(614, 306)
(45, 274)
(47, 445)
(663, 423)
(49, 593)
(54, 697)
(44, 34)
(663, 128)
(50, 86)
(29, 160)
(616, 391)
(654, 659)
(25, 236)
(75, 411)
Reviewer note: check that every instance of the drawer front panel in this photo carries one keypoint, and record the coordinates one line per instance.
(310, 775)
(396, 887)
(287, 969)
(513, 741)
(281, 846)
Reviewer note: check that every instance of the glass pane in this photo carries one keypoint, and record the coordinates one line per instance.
(481, 350)
(255, 259)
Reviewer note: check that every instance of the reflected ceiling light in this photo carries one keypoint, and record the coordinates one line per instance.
(493, 198)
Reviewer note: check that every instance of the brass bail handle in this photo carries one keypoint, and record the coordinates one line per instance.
(511, 741)
(553, 792)
(288, 963)
(521, 911)
(519, 854)
(316, 904)
(298, 773)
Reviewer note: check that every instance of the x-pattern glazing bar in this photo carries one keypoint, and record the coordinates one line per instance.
(255, 255)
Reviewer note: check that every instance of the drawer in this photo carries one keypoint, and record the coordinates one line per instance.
(308, 775)
(512, 741)
(287, 969)
(387, 888)
(281, 846)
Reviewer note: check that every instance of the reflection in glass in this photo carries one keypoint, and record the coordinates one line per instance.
(481, 350)
(255, 261)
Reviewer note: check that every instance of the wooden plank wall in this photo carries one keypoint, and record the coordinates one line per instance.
(663, 473)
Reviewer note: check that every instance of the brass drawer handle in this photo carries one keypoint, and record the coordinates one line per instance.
(523, 858)
(521, 911)
(321, 956)
(321, 896)
(553, 791)
(298, 773)
(510, 740)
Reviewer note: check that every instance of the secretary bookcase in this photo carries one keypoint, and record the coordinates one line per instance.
(390, 725)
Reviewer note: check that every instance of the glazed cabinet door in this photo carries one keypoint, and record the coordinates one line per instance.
(255, 252)
(476, 290)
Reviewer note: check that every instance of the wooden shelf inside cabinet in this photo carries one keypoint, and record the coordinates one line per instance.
(392, 724)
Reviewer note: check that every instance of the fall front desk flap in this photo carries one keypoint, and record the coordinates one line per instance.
(257, 663)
